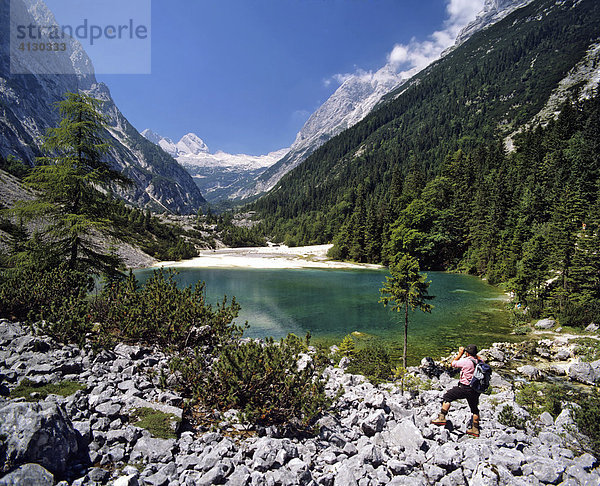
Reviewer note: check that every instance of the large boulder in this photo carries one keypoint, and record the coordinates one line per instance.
(530, 372)
(582, 372)
(37, 433)
(28, 475)
(545, 323)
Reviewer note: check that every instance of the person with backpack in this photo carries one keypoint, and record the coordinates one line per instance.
(474, 379)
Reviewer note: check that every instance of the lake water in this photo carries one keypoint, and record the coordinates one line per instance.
(333, 303)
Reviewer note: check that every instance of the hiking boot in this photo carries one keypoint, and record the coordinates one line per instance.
(474, 429)
(440, 419)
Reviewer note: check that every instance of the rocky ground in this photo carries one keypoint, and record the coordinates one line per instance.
(373, 435)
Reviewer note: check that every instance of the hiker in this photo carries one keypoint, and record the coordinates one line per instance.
(463, 389)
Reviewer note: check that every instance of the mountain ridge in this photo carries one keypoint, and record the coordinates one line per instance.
(358, 95)
(28, 101)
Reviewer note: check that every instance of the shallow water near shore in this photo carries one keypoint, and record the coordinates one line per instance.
(333, 303)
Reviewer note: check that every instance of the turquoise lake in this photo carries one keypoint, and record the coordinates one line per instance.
(333, 303)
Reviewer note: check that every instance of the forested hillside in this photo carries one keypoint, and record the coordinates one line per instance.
(496, 81)
(427, 173)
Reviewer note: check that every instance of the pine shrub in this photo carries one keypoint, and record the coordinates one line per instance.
(587, 416)
(161, 313)
(260, 379)
(374, 362)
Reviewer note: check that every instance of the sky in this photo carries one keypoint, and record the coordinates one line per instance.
(245, 75)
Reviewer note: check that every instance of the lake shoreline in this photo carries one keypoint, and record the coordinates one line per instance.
(270, 257)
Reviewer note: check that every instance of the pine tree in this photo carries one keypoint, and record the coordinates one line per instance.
(406, 288)
(68, 179)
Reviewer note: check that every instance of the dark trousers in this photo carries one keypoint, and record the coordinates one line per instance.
(464, 391)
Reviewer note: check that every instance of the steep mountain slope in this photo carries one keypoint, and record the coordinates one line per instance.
(220, 175)
(484, 89)
(356, 98)
(27, 110)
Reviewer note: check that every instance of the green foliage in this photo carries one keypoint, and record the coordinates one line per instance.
(67, 181)
(587, 417)
(56, 296)
(374, 362)
(587, 348)
(347, 347)
(159, 424)
(539, 398)
(522, 330)
(406, 288)
(14, 166)
(26, 388)
(409, 381)
(508, 417)
(162, 313)
(262, 380)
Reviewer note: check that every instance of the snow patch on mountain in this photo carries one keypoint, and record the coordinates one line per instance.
(218, 175)
(493, 11)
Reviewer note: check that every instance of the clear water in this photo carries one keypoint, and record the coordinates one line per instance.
(333, 303)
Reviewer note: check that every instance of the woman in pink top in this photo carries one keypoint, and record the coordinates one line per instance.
(463, 389)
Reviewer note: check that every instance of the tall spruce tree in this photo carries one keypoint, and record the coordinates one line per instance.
(70, 205)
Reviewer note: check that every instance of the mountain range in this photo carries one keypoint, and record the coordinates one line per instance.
(218, 175)
(27, 110)
(513, 74)
(225, 176)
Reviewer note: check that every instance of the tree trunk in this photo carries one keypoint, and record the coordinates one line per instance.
(405, 335)
(405, 346)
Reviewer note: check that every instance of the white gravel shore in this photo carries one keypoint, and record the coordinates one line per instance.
(267, 257)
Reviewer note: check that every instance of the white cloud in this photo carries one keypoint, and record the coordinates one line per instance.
(408, 59)
(417, 54)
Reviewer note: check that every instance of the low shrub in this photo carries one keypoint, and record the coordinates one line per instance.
(161, 313)
(508, 417)
(587, 348)
(522, 330)
(260, 379)
(587, 417)
(374, 362)
(55, 297)
(540, 398)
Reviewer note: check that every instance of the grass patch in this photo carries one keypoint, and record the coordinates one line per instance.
(159, 424)
(587, 348)
(26, 388)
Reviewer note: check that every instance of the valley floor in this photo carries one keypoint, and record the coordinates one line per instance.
(276, 257)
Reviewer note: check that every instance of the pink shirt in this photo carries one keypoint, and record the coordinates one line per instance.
(467, 368)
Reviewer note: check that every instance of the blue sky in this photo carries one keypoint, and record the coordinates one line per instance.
(245, 74)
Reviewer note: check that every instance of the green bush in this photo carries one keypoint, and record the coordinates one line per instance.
(580, 316)
(587, 348)
(57, 297)
(261, 380)
(374, 362)
(347, 347)
(161, 313)
(587, 416)
(540, 398)
(508, 417)
(522, 330)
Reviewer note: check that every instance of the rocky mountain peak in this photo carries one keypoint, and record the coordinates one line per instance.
(191, 144)
(493, 11)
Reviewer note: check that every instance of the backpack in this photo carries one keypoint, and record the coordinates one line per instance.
(481, 376)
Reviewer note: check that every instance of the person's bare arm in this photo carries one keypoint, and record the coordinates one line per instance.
(461, 351)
